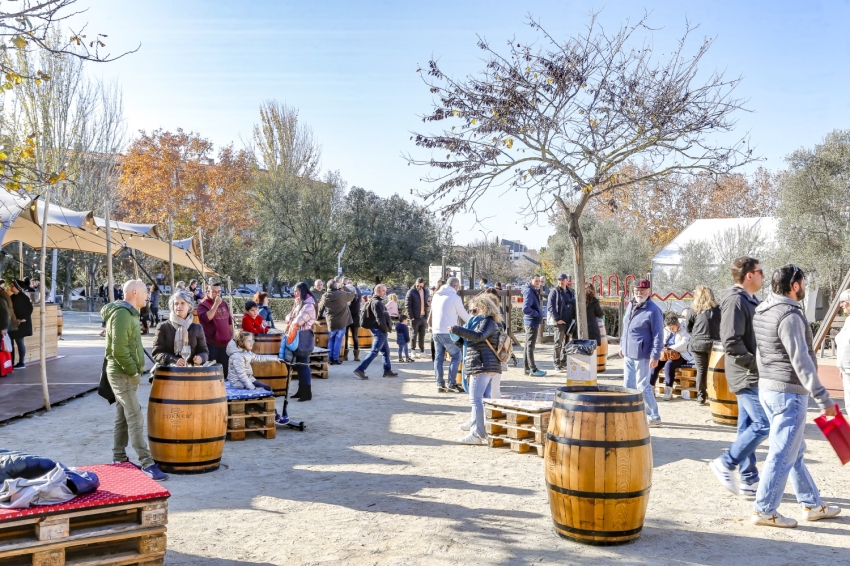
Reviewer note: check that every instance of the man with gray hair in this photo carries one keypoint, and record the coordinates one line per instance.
(125, 362)
(377, 320)
(317, 290)
(446, 309)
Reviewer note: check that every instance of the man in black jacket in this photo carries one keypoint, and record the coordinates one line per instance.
(354, 327)
(738, 307)
(335, 307)
(375, 315)
(561, 312)
(417, 302)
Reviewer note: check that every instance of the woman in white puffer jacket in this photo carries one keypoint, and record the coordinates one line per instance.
(240, 373)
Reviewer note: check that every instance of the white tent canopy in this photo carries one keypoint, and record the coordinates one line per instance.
(20, 221)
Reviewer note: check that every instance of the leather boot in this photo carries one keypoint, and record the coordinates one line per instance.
(297, 394)
(306, 393)
(356, 355)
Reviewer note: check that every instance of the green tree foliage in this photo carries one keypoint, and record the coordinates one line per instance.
(814, 210)
(388, 239)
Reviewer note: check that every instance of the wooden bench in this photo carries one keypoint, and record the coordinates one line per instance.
(834, 329)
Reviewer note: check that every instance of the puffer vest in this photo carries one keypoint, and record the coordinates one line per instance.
(773, 360)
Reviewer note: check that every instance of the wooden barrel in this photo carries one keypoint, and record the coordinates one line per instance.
(195, 316)
(598, 464)
(59, 322)
(187, 418)
(272, 373)
(321, 332)
(602, 347)
(722, 402)
(364, 336)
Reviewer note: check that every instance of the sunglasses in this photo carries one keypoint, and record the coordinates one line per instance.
(474, 311)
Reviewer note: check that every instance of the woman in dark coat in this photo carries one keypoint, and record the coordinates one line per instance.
(172, 334)
(594, 313)
(22, 307)
(703, 324)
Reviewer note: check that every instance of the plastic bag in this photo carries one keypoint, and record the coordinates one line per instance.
(581, 347)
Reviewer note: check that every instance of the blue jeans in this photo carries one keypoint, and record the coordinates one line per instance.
(379, 346)
(443, 344)
(787, 415)
(479, 389)
(335, 343)
(636, 375)
(753, 428)
(403, 353)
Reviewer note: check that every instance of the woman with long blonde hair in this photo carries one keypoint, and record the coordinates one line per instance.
(703, 324)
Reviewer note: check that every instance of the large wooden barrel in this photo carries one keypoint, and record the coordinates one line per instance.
(602, 347)
(59, 322)
(321, 332)
(598, 464)
(272, 373)
(722, 402)
(364, 336)
(187, 418)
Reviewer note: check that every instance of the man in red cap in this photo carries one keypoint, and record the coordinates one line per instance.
(641, 341)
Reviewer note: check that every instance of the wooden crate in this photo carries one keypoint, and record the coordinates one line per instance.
(683, 380)
(520, 429)
(132, 533)
(319, 363)
(251, 415)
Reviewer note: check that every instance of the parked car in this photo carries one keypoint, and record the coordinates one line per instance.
(366, 291)
(78, 294)
(243, 292)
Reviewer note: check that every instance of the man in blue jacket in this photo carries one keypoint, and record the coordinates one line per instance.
(641, 341)
(532, 318)
(561, 312)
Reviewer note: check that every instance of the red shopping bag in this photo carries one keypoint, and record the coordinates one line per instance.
(5, 361)
(837, 432)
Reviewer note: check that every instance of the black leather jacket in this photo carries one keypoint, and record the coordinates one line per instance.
(479, 357)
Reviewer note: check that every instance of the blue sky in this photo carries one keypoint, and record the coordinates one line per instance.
(349, 67)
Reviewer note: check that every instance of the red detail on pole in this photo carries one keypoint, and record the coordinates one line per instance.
(616, 286)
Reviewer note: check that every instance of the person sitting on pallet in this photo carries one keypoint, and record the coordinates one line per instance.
(675, 353)
(241, 374)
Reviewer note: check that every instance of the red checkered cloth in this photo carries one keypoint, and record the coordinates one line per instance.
(119, 483)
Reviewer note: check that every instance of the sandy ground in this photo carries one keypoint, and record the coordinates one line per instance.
(377, 478)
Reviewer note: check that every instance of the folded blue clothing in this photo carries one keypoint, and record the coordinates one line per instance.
(236, 393)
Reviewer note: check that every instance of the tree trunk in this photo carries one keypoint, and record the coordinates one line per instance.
(66, 298)
(577, 240)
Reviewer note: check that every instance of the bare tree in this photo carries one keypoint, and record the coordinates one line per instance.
(561, 123)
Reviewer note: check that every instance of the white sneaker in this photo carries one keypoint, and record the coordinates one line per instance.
(772, 520)
(466, 426)
(471, 438)
(748, 489)
(820, 512)
(727, 478)
(668, 393)
(653, 423)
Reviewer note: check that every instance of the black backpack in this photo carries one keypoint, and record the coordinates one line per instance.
(367, 316)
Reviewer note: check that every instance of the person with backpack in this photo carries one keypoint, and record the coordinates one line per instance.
(481, 362)
(374, 317)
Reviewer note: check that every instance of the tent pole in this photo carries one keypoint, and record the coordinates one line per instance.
(110, 283)
(53, 275)
(171, 251)
(203, 265)
(43, 314)
(20, 261)
(135, 264)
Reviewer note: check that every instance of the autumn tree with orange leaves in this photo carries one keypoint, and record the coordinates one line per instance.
(172, 175)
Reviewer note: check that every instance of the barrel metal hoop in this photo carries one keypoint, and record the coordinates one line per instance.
(598, 495)
(717, 370)
(732, 419)
(186, 440)
(589, 533)
(598, 443)
(724, 401)
(187, 401)
(178, 377)
(599, 408)
(189, 464)
(593, 398)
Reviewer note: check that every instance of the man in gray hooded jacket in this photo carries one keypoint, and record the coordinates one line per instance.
(788, 374)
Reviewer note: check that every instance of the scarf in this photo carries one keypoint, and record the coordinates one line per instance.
(470, 325)
(181, 325)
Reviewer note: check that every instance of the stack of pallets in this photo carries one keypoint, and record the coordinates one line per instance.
(250, 415)
(123, 522)
(684, 380)
(520, 424)
(319, 363)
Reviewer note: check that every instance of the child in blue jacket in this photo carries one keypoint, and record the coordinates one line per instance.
(403, 338)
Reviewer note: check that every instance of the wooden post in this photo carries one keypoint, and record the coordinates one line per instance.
(43, 314)
(171, 251)
(20, 260)
(203, 265)
(110, 283)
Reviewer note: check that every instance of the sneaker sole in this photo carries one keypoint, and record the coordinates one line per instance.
(761, 523)
(717, 474)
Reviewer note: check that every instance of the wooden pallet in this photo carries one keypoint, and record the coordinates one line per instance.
(539, 420)
(683, 380)
(251, 415)
(519, 446)
(319, 363)
(132, 533)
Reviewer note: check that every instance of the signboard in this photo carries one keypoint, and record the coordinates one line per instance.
(434, 274)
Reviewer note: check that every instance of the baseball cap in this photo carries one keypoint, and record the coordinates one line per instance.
(642, 284)
(563, 276)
